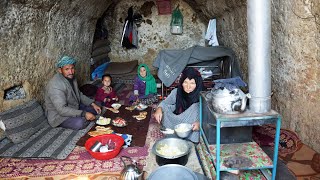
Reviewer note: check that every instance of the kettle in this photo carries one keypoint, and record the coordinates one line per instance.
(225, 101)
(131, 171)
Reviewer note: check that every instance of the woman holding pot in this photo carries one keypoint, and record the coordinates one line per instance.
(182, 104)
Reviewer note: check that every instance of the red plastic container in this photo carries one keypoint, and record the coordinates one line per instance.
(104, 139)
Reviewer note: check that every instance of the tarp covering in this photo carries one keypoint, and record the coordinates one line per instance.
(170, 63)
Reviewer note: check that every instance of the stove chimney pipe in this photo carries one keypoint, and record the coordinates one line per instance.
(259, 50)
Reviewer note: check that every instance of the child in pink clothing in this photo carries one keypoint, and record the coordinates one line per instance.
(105, 94)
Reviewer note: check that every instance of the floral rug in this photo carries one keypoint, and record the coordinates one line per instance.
(300, 159)
(79, 164)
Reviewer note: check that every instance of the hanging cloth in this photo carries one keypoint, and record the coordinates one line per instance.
(129, 34)
(211, 34)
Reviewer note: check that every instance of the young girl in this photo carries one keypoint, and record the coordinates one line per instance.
(105, 94)
(145, 87)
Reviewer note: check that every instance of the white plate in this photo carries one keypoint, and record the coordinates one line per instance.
(103, 121)
(141, 107)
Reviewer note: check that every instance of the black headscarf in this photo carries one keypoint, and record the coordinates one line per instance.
(185, 100)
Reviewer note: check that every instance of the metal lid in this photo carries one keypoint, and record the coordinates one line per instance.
(172, 172)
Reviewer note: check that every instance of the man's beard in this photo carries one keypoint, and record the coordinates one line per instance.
(69, 77)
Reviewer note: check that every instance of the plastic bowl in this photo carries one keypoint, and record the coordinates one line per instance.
(183, 130)
(104, 139)
(116, 105)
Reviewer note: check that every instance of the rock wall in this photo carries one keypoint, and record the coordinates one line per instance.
(294, 60)
(34, 34)
(154, 32)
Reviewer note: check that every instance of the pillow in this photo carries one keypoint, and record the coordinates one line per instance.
(23, 121)
(122, 67)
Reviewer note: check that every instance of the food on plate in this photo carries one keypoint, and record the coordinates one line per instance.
(141, 116)
(144, 113)
(141, 107)
(113, 110)
(103, 121)
(116, 105)
(130, 108)
(119, 122)
(100, 130)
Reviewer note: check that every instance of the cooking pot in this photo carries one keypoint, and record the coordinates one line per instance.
(225, 101)
(131, 171)
(173, 172)
(171, 151)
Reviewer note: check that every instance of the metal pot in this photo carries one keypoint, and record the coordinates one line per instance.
(225, 101)
(131, 171)
(173, 144)
(173, 172)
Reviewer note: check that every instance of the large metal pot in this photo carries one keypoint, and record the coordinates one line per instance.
(173, 172)
(171, 151)
(225, 101)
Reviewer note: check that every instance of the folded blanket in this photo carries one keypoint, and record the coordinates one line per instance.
(48, 142)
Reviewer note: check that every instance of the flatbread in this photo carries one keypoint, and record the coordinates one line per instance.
(113, 110)
(130, 108)
(100, 130)
(141, 116)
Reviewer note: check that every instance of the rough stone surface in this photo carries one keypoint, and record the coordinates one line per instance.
(294, 61)
(34, 34)
(154, 32)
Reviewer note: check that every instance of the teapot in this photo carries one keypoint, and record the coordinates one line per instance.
(225, 101)
(131, 171)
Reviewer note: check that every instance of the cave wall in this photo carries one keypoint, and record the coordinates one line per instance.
(34, 34)
(294, 59)
(154, 32)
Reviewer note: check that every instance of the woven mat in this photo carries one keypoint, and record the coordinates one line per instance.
(48, 142)
(79, 164)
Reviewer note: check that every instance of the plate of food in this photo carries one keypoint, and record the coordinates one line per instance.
(141, 107)
(103, 121)
(116, 105)
(119, 122)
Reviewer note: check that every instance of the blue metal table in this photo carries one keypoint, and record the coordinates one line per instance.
(246, 118)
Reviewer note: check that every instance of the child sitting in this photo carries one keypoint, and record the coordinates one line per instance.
(105, 94)
(145, 87)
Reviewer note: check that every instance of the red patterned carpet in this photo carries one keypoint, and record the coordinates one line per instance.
(301, 160)
(78, 165)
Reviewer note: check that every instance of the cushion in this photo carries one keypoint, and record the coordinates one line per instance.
(89, 90)
(23, 121)
(122, 67)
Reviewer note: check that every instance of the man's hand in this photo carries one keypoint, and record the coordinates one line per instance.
(89, 116)
(96, 108)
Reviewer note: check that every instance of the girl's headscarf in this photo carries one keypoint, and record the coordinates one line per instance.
(185, 100)
(151, 85)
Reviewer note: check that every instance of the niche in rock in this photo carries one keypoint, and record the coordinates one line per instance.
(15, 92)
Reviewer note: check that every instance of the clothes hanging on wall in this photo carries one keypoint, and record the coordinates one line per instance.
(211, 34)
(129, 37)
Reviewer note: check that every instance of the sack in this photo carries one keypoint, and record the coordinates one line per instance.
(176, 21)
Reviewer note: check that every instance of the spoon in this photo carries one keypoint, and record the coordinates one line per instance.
(162, 128)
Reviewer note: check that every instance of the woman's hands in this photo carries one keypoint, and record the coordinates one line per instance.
(196, 126)
(158, 114)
